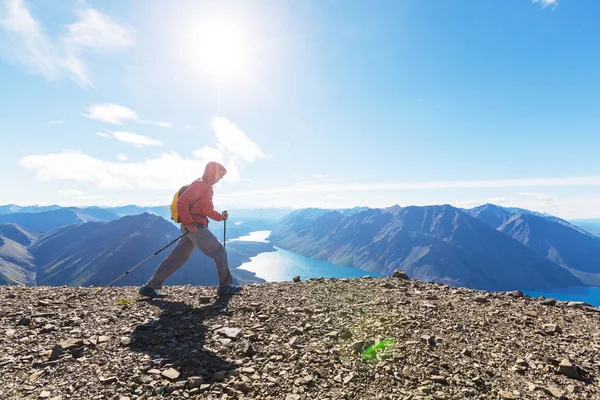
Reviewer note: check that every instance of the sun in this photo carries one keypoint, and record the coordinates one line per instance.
(220, 49)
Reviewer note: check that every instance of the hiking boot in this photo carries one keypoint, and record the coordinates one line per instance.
(228, 290)
(147, 291)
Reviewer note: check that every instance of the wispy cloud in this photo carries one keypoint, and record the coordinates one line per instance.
(131, 138)
(116, 114)
(96, 30)
(166, 171)
(234, 148)
(136, 140)
(122, 157)
(111, 113)
(547, 3)
(51, 123)
(28, 44)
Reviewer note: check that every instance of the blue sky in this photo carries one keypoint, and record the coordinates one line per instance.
(308, 103)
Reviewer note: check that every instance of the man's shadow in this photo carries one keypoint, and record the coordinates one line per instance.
(176, 339)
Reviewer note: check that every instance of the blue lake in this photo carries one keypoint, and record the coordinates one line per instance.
(282, 265)
(590, 295)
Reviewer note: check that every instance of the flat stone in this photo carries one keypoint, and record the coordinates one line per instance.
(516, 294)
(125, 341)
(481, 300)
(551, 329)
(554, 391)
(103, 339)
(195, 382)
(71, 343)
(204, 299)
(548, 302)
(171, 374)
(45, 394)
(231, 333)
(568, 369)
(577, 304)
(296, 279)
(109, 380)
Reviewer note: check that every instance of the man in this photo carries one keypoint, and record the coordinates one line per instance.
(194, 206)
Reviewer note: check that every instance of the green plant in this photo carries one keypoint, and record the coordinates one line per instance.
(124, 302)
(378, 351)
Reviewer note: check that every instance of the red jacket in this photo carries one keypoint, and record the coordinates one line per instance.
(196, 203)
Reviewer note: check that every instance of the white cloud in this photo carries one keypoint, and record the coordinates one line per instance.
(104, 135)
(122, 157)
(111, 113)
(165, 125)
(233, 141)
(96, 30)
(164, 172)
(70, 192)
(188, 127)
(116, 114)
(50, 123)
(167, 171)
(28, 44)
(546, 3)
(136, 140)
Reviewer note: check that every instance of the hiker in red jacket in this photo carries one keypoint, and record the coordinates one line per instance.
(195, 206)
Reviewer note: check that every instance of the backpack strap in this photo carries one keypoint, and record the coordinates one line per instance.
(195, 201)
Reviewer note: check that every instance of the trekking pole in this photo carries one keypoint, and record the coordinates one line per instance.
(147, 258)
(224, 232)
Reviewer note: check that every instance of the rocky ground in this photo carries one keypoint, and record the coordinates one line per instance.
(299, 340)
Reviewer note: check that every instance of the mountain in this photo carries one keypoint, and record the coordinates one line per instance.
(95, 253)
(48, 220)
(18, 234)
(13, 208)
(556, 239)
(17, 265)
(122, 211)
(433, 243)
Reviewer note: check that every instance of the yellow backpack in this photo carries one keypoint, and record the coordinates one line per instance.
(174, 212)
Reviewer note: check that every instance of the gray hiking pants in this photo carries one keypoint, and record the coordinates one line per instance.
(206, 242)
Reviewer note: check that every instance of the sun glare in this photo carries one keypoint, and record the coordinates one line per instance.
(220, 50)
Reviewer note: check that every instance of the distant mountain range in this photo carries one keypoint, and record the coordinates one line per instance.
(95, 253)
(553, 238)
(488, 247)
(16, 263)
